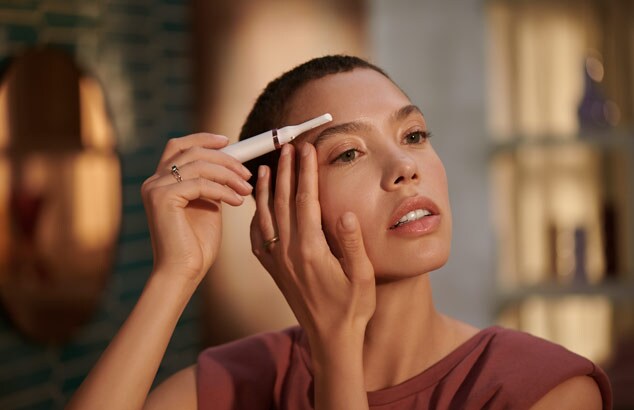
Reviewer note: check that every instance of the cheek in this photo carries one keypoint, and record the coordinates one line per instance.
(337, 197)
(435, 179)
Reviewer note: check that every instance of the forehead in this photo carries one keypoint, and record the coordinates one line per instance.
(354, 95)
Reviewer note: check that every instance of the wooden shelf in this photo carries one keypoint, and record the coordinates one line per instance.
(617, 290)
(600, 139)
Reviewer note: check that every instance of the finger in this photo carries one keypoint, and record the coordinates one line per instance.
(201, 139)
(198, 188)
(307, 198)
(356, 264)
(284, 200)
(263, 202)
(200, 153)
(212, 172)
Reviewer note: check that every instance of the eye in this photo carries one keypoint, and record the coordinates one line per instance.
(417, 137)
(347, 156)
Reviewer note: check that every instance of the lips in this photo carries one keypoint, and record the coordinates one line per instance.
(417, 210)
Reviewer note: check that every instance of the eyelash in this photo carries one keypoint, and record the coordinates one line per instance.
(424, 136)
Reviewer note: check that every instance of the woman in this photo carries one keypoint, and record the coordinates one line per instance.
(358, 215)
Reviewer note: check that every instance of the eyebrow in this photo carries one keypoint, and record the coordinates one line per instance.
(353, 127)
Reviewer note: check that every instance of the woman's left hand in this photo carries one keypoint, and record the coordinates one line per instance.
(333, 299)
(328, 295)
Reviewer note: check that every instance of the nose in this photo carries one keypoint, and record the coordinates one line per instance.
(400, 170)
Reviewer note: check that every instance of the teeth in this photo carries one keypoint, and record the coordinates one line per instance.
(412, 216)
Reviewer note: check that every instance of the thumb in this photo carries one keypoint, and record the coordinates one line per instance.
(355, 261)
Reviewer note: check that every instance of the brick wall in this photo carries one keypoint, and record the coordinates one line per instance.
(139, 50)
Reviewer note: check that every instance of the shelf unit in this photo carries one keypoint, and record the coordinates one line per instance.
(541, 289)
(561, 118)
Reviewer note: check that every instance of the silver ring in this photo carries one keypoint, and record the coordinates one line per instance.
(176, 174)
(267, 244)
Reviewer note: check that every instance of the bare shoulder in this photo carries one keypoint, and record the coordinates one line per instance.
(579, 393)
(177, 392)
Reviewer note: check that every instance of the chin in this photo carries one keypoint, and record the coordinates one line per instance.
(425, 262)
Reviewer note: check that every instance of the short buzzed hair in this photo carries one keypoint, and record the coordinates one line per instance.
(270, 107)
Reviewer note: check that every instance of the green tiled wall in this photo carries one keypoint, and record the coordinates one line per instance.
(139, 50)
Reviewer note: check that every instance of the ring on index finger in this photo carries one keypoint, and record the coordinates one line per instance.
(267, 244)
(176, 173)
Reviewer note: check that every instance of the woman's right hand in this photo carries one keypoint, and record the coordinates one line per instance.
(185, 217)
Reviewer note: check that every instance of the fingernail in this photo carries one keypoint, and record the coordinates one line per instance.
(241, 199)
(246, 171)
(285, 149)
(246, 184)
(305, 149)
(348, 222)
(261, 171)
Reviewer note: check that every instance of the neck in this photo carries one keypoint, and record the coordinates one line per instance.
(406, 334)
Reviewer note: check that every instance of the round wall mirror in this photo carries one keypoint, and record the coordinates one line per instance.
(60, 194)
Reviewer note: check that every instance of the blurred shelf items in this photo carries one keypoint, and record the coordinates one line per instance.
(561, 98)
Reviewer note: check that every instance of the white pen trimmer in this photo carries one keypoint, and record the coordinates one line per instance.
(261, 144)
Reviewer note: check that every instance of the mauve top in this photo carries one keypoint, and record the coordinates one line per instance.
(497, 368)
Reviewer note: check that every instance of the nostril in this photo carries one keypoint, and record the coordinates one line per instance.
(402, 178)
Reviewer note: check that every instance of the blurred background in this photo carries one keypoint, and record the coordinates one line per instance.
(532, 108)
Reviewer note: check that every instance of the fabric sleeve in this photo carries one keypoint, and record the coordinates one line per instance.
(529, 367)
(245, 374)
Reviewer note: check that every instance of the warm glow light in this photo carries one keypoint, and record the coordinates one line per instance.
(267, 39)
(562, 77)
(528, 55)
(595, 69)
(558, 192)
(536, 80)
(503, 214)
(500, 74)
(582, 324)
(531, 217)
(5, 222)
(96, 129)
(573, 191)
(261, 48)
(4, 117)
(96, 200)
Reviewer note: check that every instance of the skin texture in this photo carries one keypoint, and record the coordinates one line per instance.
(369, 185)
(319, 270)
(359, 289)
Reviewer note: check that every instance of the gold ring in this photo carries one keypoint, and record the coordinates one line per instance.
(176, 174)
(267, 244)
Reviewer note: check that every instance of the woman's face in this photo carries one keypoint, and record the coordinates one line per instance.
(375, 160)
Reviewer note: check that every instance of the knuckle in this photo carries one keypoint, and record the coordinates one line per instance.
(195, 166)
(198, 164)
(196, 150)
(363, 280)
(278, 204)
(200, 182)
(350, 242)
(307, 253)
(302, 199)
(173, 142)
(262, 223)
(154, 197)
(145, 187)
